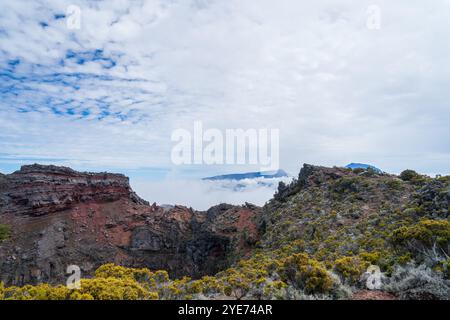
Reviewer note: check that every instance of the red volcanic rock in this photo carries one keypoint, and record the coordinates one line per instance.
(61, 217)
(39, 190)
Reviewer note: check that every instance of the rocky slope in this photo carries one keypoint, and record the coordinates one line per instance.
(333, 233)
(59, 217)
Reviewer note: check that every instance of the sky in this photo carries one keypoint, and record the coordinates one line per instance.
(108, 95)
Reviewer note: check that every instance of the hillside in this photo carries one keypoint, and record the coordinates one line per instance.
(333, 233)
(58, 217)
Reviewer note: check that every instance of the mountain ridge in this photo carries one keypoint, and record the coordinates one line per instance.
(316, 238)
(59, 216)
(249, 175)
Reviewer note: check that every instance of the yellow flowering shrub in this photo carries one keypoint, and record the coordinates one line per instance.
(350, 268)
(38, 292)
(2, 291)
(114, 289)
(306, 273)
(425, 231)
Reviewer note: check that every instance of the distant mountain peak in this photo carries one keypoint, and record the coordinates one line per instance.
(250, 175)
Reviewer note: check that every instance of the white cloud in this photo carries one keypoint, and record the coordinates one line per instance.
(202, 195)
(338, 92)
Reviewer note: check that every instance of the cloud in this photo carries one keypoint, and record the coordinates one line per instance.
(109, 94)
(202, 195)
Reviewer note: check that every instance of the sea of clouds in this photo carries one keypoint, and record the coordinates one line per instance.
(202, 194)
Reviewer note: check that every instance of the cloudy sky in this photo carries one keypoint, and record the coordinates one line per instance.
(108, 95)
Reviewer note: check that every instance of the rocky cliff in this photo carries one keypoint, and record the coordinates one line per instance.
(325, 235)
(60, 217)
(39, 190)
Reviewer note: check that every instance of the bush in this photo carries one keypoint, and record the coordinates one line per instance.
(358, 170)
(80, 296)
(411, 282)
(274, 290)
(2, 291)
(5, 232)
(306, 274)
(347, 184)
(150, 280)
(236, 284)
(394, 184)
(408, 175)
(427, 232)
(39, 292)
(110, 270)
(446, 268)
(96, 288)
(115, 289)
(350, 268)
(369, 172)
(371, 257)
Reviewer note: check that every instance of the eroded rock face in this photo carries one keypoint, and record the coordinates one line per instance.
(38, 190)
(60, 217)
(309, 176)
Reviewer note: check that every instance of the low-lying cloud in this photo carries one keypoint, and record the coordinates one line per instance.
(201, 195)
(109, 94)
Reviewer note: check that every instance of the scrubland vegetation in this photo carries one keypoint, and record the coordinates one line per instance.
(319, 235)
(4, 232)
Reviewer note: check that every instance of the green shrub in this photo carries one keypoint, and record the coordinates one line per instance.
(5, 232)
(427, 232)
(408, 175)
(358, 170)
(306, 274)
(394, 184)
(236, 283)
(446, 268)
(2, 291)
(115, 289)
(110, 270)
(427, 240)
(347, 184)
(38, 292)
(350, 268)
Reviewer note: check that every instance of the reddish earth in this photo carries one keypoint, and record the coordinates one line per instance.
(61, 217)
(372, 295)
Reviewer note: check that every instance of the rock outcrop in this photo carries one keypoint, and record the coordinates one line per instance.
(39, 190)
(61, 217)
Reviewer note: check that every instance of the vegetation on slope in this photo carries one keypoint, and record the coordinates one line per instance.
(5, 232)
(322, 235)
